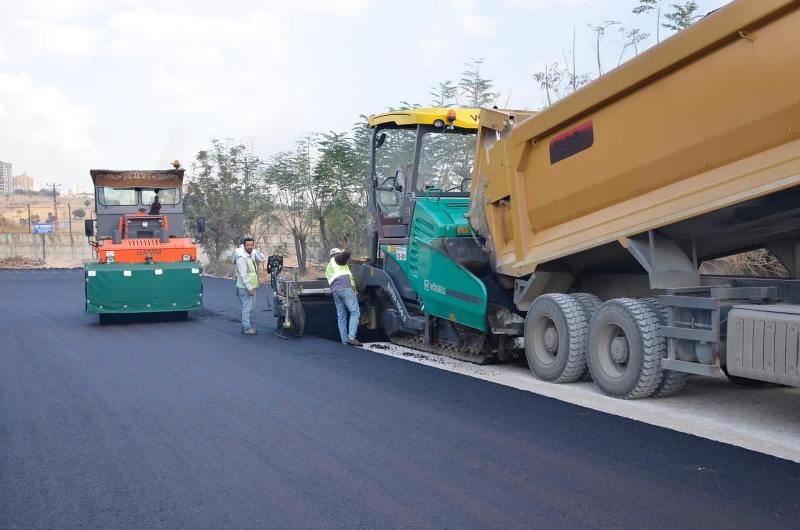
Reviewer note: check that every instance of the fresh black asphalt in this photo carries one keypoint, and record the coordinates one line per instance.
(190, 424)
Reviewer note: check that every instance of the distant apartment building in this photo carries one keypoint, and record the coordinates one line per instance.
(23, 183)
(6, 178)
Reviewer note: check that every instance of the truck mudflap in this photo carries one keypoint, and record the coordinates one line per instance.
(143, 287)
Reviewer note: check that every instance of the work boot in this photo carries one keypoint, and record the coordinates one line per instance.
(250, 331)
(354, 342)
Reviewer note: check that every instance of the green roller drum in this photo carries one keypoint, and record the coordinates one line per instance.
(143, 288)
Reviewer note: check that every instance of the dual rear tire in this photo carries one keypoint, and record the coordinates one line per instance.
(619, 341)
(626, 348)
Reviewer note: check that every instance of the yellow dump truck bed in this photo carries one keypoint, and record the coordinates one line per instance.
(708, 119)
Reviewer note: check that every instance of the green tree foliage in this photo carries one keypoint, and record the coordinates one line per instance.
(557, 80)
(476, 89)
(78, 213)
(223, 188)
(322, 185)
(342, 191)
(682, 16)
(444, 94)
(550, 80)
(287, 176)
(357, 232)
(631, 39)
(360, 139)
(646, 7)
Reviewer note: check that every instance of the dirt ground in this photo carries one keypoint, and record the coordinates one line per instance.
(21, 263)
(14, 208)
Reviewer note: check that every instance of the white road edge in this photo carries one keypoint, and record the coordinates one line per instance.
(766, 420)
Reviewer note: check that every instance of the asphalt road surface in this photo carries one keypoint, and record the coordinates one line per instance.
(190, 424)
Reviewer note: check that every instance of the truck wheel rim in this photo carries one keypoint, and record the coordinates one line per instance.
(613, 350)
(545, 340)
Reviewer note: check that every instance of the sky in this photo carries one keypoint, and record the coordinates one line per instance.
(123, 84)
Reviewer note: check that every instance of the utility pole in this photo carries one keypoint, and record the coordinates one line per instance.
(30, 225)
(69, 216)
(55, 206)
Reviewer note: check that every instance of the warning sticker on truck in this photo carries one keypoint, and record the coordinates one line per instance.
(400, 253)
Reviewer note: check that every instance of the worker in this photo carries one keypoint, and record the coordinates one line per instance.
(344, 295)
(247, 259)
(155, 208)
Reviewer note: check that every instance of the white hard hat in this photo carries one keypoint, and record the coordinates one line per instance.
(335, 251)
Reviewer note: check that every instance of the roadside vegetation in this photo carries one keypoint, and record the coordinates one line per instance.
(304, 200)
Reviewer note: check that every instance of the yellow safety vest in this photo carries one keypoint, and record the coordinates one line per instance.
(252, 275)
(334, 270)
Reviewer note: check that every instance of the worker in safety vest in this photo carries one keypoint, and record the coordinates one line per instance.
(344, 294)
(246, 259)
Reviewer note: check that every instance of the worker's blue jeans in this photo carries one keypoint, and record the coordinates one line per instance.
(248, 303)
(347, 302)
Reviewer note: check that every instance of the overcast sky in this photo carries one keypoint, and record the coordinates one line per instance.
(136, 84)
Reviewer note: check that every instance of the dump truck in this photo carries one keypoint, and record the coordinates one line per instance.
(145, 262)
(580, 245)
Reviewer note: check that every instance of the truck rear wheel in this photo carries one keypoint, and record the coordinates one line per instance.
(591, 303)
(555, 338)
(671, 382)
(625, 348)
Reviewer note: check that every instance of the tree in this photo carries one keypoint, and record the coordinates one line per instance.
(360, 140)
(361, 144)
(286, 176)
(78, 213)
(223, 188)
(599, 33)
(550, 80)
(476, 89)
(280, 248)
(682, 16)
(647, 6)
(87, 203)
(340, 185)
(444, 94)
(630, 39)
(574, 80)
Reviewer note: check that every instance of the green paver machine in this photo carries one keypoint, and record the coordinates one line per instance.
(427, 283)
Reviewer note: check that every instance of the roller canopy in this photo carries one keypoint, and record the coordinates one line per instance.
(156, 178)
